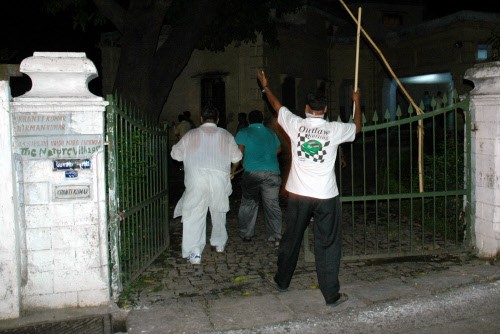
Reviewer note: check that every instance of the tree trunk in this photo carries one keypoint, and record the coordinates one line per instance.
(146, 73)
(138, 45)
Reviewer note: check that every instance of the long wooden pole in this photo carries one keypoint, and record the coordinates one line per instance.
(356, 68)
(415, 106)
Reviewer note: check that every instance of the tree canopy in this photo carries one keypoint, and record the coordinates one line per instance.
(148, 69)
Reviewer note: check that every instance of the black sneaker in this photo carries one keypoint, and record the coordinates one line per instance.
(274, 284)
(343, 297)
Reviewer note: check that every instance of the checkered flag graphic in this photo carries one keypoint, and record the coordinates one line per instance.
(317, 156)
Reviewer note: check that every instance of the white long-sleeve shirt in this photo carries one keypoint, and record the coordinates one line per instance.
(207, 153)
(207, 147)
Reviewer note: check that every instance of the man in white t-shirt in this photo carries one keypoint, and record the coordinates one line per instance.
(313, 190)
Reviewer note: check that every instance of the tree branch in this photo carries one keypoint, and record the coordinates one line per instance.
(180, 44)
(113, 12)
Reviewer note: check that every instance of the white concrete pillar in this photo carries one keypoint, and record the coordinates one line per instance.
(485, 114)
(58, 141)
(10, 264)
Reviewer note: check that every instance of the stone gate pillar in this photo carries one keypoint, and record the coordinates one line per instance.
(10, 264)
(58, 145)
(485, 111)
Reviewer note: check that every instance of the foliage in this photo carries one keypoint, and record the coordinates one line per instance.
(236, 20)
(83, 12)
(444, 171)
(139, 159)
(240, 21)
(148, 68)
(136, 168)
(139, 153)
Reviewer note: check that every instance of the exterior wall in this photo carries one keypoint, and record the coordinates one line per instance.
(485, 108)
(10, 261)
(373, 14)
(61, 220)
(370, 76)
(303, 54)
(425, 48)
(235, 66)
(433, 49)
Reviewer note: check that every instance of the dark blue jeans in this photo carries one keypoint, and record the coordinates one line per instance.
(255, 186)
(327, 242)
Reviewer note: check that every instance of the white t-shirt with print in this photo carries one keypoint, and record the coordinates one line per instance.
(314, 144)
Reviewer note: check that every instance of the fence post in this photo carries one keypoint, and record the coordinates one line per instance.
(58, 145)
(485, 117)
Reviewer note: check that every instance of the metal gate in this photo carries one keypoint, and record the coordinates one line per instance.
(385, 211)
(395, 204)
(137, 166)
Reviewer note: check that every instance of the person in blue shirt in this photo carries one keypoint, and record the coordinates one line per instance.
(261, 179)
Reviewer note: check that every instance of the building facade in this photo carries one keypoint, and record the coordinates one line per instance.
(318, 51)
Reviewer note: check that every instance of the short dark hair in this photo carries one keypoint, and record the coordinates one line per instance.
(316, 101)
(255, 116)
(210, 113)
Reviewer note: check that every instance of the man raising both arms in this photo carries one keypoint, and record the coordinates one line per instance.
(313, 191)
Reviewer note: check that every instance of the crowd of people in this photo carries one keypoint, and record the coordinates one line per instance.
(212, 155)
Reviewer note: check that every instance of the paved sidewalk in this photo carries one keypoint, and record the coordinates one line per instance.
(372, 289)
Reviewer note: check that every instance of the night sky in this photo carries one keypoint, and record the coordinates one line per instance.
(439, 8)
(26, 27)
(27, 24)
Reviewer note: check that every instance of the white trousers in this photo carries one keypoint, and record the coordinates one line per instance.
(205, 190)
(194, 231)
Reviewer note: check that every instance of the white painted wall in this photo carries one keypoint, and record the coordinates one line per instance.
(64, 259)
(485, 110)
(10, 264)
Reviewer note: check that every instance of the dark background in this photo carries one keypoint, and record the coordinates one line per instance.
(26, 27)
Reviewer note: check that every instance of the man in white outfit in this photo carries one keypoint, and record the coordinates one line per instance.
(210, 156)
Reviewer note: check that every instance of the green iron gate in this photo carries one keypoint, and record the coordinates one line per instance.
(385, 213)
(137, 165)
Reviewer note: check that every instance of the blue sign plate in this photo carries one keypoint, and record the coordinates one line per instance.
(71, 174)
